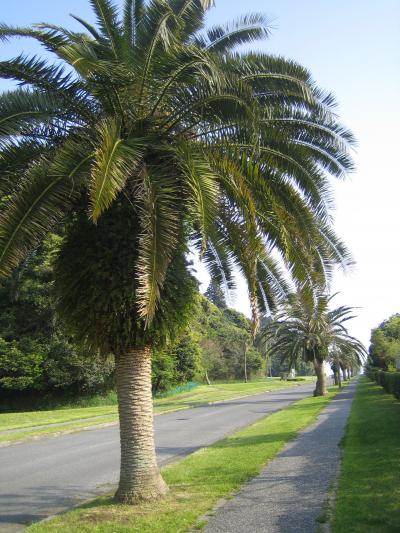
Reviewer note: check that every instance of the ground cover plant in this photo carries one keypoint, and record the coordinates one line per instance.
(368, 499)
(77, 418)
(197, 482)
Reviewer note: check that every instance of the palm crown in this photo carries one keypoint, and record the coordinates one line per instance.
(309, 329)
(228, 152)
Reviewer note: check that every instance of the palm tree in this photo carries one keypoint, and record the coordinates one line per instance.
(306, 328)
(343, 359)
(150, 136)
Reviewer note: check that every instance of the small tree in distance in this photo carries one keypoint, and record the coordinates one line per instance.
(216, 294)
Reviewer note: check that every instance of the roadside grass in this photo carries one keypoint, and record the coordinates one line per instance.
(68, 419)
(368, 498)
(197, 482)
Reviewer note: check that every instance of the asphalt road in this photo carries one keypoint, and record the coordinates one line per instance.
(47, 476)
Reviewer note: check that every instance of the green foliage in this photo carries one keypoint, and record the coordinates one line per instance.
(97, 291)
(309, 330)
(390, 381)
(38, 359)
(385, 343)
(216, 294)
(20, 366)
(177, 364)
(224, 336)
(42, 363)
(154, 137)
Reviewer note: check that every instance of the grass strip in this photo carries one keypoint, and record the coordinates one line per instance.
(89, 416)
(368, 498)
(197, 482)
(54, 430)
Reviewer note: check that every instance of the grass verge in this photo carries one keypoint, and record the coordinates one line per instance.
(368, 498)
(198, 481)
(68, 419)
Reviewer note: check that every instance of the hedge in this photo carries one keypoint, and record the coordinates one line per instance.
(390, 381)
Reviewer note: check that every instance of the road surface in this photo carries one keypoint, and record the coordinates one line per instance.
(43, 477)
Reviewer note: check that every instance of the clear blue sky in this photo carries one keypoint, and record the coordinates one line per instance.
(352, 47)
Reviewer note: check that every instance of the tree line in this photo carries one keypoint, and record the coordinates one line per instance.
(42, 364)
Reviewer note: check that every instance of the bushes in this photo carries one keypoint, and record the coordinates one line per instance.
(390, 381)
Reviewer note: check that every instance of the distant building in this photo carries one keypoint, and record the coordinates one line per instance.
(397, 363)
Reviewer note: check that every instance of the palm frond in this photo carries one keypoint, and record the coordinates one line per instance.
(115, 160)
(202, 189)
(246, 29)
(133, 13)
(91, 29)
(21, 109)
(50, 188)
(160, 222)
(107, 19)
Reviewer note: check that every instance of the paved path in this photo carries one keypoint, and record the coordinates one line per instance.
(46, 476)
(288, 496)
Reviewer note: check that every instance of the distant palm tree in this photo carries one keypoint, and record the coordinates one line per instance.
(347, 360)
(306, 328)
(148, 137)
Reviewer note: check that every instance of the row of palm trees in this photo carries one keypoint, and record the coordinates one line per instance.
(307, 328)
(150, 135)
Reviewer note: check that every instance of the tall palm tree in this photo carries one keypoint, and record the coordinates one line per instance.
(306, 328)
(150, 136)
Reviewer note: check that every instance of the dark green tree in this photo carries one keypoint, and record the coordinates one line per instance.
(385, 343)
(40, 361)
(216, 294)
(150, 135)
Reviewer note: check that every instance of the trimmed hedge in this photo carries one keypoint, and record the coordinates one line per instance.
(390, 381)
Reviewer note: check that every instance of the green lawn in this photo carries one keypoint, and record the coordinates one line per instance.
(198, 481)
(368, 499)
(88, 416)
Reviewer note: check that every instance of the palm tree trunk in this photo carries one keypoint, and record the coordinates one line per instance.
(320, 386)
(140, 479)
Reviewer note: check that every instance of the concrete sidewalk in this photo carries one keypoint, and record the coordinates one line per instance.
(288, 496)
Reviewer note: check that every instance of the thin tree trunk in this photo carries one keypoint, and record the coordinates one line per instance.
(245, 362)
(320, 387)
(207, 379)
(140, 479)
(335, 377)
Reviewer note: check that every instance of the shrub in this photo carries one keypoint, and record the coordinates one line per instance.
(390, 381)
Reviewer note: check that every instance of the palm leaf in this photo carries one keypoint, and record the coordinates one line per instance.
(49, 190)
(202, 189)
(160, 222)
(246, 29)
(107, 19)
(114, 162)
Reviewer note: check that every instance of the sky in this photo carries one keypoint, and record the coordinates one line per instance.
(352, 48)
